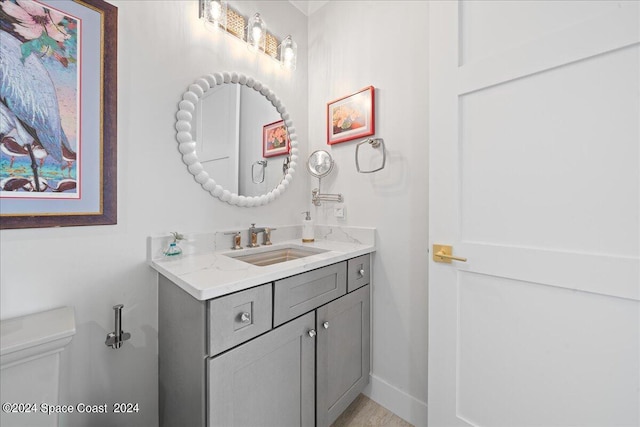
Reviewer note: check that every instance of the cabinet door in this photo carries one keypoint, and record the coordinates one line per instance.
(266, 382)
(343, 354)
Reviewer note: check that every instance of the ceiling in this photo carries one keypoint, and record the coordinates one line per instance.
(308, 7)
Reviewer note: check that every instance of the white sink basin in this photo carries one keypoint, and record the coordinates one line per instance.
(264, 257)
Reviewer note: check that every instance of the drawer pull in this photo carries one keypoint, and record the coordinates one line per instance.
(245, 317)
(312, 333)
(326, 325)
(361, 272)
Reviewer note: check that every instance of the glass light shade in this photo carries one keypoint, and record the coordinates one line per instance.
(288, 53)
(215, 13)
(256, 33)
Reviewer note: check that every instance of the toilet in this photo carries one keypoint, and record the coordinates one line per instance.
(30, 348)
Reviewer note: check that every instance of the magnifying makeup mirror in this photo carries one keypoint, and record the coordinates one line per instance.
(320, 164)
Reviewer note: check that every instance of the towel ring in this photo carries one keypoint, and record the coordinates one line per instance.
(375, 143)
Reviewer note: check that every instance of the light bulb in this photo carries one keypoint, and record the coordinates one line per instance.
(288, 54)
(256, 32)
(216, 11)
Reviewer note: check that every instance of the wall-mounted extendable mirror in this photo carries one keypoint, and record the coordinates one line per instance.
(228, 124)
(320, 164)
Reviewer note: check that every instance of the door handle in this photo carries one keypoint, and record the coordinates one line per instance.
(443, 253)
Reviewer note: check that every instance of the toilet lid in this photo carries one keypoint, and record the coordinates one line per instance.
(23, 338)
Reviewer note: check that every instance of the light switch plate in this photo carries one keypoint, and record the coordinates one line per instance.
(338, 211)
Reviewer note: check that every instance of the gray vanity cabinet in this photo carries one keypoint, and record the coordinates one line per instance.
(342, 351)
(293, 352)
(266, 382)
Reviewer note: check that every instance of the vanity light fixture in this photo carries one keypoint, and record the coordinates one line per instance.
(219, 15)
(288, 53)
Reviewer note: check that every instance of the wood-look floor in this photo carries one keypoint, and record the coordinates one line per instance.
(365, 412)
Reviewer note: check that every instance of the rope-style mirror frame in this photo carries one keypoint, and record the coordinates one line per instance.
(187, 144)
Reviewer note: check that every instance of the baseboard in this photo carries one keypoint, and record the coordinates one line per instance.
(397, 401)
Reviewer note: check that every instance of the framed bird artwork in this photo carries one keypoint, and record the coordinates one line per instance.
(57, 113)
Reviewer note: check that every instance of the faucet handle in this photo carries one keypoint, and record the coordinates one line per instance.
(237, 240)
(267, 236)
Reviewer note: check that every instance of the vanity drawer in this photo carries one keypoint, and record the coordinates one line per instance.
(299, 294)
(236, 318)
(358, 272)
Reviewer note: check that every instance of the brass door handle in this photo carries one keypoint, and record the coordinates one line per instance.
(443, 253)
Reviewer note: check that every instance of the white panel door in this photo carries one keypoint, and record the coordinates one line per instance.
(534, 177)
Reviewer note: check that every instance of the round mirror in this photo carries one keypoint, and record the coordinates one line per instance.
(320, 163)
(237, 139)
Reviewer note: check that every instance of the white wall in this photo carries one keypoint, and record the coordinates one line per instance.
(163, 47)
(353, 44)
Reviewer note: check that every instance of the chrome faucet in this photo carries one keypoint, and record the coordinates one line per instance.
(253, 235)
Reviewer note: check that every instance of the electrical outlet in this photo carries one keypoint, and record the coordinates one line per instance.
(338, 211)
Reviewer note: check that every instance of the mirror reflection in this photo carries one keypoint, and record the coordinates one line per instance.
(230, 143)
(241, 140)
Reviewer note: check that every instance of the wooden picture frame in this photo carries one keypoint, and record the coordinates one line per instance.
(275, 139)
(88, 195)
(351, 117)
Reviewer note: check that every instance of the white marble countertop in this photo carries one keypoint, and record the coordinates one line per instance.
(207, 274)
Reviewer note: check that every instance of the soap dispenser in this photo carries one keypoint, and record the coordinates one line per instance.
(307, 228)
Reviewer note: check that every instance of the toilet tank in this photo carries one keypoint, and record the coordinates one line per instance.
(30, 348)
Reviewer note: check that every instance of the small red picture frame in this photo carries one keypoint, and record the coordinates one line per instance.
(351, 117)
(275, 139)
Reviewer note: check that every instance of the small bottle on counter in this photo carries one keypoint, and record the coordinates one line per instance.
(173, 248)
(307, 228)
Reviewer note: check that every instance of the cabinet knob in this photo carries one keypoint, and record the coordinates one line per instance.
(312, 333)
(326, 325)
(245, 317)
(361, 272)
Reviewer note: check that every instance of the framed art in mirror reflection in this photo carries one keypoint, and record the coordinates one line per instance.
(275, 139)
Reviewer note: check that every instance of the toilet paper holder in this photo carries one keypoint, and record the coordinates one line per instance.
(117, 337)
